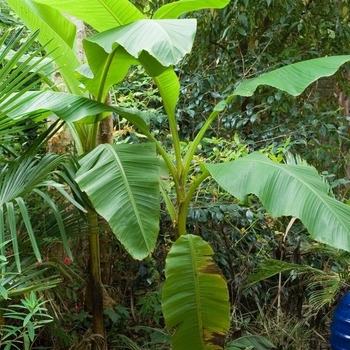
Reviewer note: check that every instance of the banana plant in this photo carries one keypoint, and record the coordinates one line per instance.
(195, 297)
(125, 37)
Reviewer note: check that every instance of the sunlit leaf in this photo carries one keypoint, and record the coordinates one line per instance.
(177, 8)
(100, 14)
(166, 40)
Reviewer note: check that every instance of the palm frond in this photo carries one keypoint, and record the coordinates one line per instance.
(18, 181)
(323, 289)
(31, 279)
(28, 175)
(250, 342)
(19, 72)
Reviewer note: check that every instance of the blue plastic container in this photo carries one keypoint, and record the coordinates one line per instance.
(340, 326)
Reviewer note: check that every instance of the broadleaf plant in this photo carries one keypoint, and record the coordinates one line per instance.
(112, 15)
(295, 78)
(195, 296)
(177, 8)
(133, 216)
(287, 189)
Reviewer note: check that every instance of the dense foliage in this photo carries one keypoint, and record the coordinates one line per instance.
(245, 39)
(282, 284)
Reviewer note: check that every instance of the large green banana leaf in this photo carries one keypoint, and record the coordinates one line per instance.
(54, 26)
(195, 296)
(122, 182)
(285, 189)
(100, 14)
(106, 14)
(177, 8)
(68, 107)
(166, 40)
(156, 44)
(294, 78)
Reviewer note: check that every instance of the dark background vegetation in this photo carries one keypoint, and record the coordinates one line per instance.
(292, 310)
